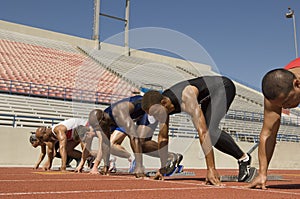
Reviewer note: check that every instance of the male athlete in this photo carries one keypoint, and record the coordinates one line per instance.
(214, 94)
(281, 89)
(127, 117)
(64, 133)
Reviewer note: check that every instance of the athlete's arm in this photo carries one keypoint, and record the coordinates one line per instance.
(41, 156)
(86, 148)
(121, 113)
(267, 141)
(163, 141)
(190, 105)
(50, 153)
(103, 153)
(60, 132)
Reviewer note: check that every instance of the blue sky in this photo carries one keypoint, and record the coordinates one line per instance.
(244, 38)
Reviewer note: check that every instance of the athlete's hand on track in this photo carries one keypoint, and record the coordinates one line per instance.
(139, 172)
(78, 169)
(94, 171)
(212, 178)
(259, 182)
(104, 170)
(158, 176)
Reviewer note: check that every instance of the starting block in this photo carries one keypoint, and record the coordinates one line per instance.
(178, 171)
(253, 174)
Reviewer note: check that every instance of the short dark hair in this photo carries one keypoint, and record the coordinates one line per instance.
(150, 98)
(276, 82)
(32, 138)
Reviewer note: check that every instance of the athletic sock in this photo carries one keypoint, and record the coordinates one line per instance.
(245, 159)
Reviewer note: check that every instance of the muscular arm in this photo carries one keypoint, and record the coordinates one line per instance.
(41, 156)
(267, 141)
(121, 113)
(103, 153)
(163, 140)
(272, 115)
(50, 153)
(60, 132)
(86, 148)
(190, 105)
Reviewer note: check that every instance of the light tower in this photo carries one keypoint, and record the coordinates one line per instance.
(96, 28)
(291, 14)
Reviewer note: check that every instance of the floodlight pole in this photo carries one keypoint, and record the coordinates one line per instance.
(97, 14)
(126, 39)
(96, 35)
(291, 14)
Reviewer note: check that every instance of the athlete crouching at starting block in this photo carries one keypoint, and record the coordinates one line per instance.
(129, 118)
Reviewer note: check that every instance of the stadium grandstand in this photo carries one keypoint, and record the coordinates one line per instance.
(47, 77)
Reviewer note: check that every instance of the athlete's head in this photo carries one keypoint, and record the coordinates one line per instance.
(42, 135)
(99, 120)
(282, 88)
(150, 98)
(154, 104)
(33, 140)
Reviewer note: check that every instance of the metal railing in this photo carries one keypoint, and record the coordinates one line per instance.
(54, 92)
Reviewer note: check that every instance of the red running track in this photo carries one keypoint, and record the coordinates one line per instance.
(29, 183)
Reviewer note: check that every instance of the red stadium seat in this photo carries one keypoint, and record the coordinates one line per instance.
(55, 68)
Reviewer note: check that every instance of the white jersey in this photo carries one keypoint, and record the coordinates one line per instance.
(71, 124)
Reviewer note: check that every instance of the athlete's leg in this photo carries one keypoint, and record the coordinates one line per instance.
(150, 147)
(117, 149)
(214, 110)
(71, 151)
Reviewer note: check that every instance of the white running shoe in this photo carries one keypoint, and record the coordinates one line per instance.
(132, 166)
(112, 165)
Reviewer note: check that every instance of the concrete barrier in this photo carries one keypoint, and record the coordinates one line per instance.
(15, 150)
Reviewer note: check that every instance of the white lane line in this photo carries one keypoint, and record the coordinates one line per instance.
(237, 187)
(98, 191)
(65, 180)
(263, 191)
(200, 185)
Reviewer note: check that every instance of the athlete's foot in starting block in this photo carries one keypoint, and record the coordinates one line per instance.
(234, 178)
(177, 170)
(252, 174)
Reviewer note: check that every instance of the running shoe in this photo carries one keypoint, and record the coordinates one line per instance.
(132, 166)
(170, 167)
(90, 161)
(244, 169)
(179, 159)
(112, 165)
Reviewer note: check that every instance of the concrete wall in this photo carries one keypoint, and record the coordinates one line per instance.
(15, 150)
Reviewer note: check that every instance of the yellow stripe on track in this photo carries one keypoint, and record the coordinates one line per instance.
(52, 173)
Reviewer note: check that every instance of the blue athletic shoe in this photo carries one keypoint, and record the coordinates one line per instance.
(132, 166)
(179, 169)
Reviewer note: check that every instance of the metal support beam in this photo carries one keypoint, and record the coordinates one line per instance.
(96, 34)
(126, 35)
(96, 31)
